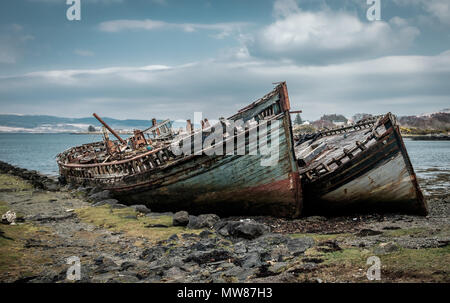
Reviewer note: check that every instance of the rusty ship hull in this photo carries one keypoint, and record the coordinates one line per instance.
(223, 184)
(361, 168)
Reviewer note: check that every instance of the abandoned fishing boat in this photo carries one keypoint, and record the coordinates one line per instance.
(146, 170)
(362, 167)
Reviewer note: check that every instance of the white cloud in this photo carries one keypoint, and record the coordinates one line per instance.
(83, 53)
(439, 9)
(328, 36)
(12, 42)
(87, 1)
(120, 25)
(401, 84)
(285, 8)
(223, 29)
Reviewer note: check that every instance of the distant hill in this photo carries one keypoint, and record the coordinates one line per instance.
(433, 121)
(37, 124)
(334, 118)
(438, 122)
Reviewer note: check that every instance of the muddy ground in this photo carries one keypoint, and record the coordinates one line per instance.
(123, 244)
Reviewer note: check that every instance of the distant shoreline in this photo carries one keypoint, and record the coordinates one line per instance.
(100, 133)
(428, 137)
(63, 133)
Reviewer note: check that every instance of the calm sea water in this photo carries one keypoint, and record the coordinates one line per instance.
(38, 151)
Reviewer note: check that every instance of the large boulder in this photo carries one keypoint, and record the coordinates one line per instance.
(247, 229)
(103, 195)
(214, 255)
(50, 185)
(203, 221)
(181, 218)
(251, 260)
(141, 208)
(298, 246)
(386, 248)
(106, 202)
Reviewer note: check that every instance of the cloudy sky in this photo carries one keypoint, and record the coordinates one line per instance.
(171, 58)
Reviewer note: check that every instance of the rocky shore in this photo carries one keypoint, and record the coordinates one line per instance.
(117, 243)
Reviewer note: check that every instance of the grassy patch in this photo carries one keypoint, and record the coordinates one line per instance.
(16, 260)
(322, 237)
(349, 256)
(3, 207)
(13, 183)
(404, 265)
(417, 232)
(128, 221)
(431, 264)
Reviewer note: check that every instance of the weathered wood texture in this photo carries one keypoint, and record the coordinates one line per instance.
(223, 184)
(375, 176)
(228, 185)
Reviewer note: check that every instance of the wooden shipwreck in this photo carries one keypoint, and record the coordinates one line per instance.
(362, 167)
(149, 172)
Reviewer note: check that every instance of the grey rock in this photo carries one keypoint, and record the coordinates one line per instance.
(51, 186)
(328, 246)
(277, 267)
(107, 201)
(279, 252)
(141, 208)
(181, 218)
(156, 226)
(174, 272)
(189, 236)
(105, 265)
(205, 234)
(126, 278)
(209, 256)
(246, 229)
(368, 232)
(103, 195)
(118, 205)
(298, 246)
(251, 260)
(83, 190)
(173, 237)
(203, 221)
(103, 278)
(155, 215)
(386, 248)
(316, 219)
(153, 253)
(127, 265)
(175, 261)
(234, 271)
(50, 217)
(223, 230)
(95, 190)
(274, 239)
(240, 248)
(202, 246)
